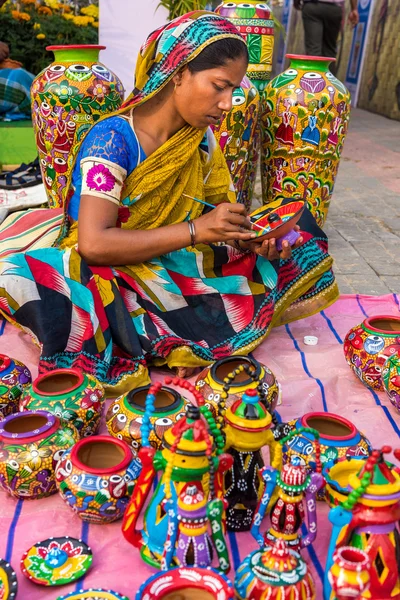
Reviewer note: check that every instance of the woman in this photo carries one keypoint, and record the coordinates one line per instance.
(197, 286)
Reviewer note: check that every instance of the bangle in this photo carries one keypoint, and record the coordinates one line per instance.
(192, 231)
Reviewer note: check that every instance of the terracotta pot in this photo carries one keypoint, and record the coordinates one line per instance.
(238, 137)
(96, 478)
(349, 575)
(67, 98)
(70, 395)
(211, 381)
(125, 415)
(274, 573)
(367, 347)
(306, 120)
(15, 377)
(337, 479)
(339, 438)
(189, 583)
(30, 446)
(391, 379)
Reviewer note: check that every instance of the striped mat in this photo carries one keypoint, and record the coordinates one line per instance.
(313, 378)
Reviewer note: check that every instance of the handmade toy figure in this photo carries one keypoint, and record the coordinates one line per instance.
(283, 494)
(275, 573)
(187, 502)
(368, 520)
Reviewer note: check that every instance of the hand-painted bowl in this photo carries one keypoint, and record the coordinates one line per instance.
(15, 377)
(367, 347)
(276, 220)
(187, 583)
(337, 479)
(125, 415)
(210, 382)
(30, 446)
(70, 395)
(96, 478)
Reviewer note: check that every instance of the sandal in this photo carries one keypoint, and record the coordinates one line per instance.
(22, 177)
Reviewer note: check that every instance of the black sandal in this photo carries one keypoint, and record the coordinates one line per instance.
(22, 177)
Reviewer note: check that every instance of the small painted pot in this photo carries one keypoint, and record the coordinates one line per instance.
(125, 415)
(210, 381)
(31, 444)
(93, 594)
(339, 438)
(367, 347)
(96, 478)
(8, 581)
(391, 379)
(274, 573)
(15, 377)
(70, 395)
(350, 573)
(187, 583)
(337, 479)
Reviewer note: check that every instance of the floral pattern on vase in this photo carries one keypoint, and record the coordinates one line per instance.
(70, 395)
(15, 377)
(67, 98)
(306, 118)
(31, 444)
(391, 379)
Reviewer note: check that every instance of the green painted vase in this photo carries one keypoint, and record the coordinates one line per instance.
(306, 121)
(15, 377)
(67, 98)
(70, 395)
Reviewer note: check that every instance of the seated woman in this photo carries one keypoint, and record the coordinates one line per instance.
(194, 286)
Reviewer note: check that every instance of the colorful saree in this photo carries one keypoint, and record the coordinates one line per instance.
(186, 308)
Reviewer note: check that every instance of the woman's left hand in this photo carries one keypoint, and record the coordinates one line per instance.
(268, 249)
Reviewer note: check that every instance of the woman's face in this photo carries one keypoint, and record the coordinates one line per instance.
(201, 98)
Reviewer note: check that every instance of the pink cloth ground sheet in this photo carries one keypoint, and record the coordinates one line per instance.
(313, 378)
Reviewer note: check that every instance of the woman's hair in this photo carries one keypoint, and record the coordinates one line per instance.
(218, 53)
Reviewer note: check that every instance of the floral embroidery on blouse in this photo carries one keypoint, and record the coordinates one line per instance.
(100, 178)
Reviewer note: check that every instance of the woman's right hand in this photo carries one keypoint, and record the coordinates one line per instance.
(226, 222)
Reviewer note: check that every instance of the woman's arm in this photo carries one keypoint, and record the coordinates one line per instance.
(102, 243)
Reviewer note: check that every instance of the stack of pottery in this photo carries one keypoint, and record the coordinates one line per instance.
(67, 98)
(305, 120)
(96, 478)
(369, 345)
(125, 415)
(70, 395)
(31, 444)
(210, 381)
(15, 377)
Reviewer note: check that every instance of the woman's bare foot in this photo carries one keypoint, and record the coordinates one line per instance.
(185, 372)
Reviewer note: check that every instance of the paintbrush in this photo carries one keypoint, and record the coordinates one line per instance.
(213, 206)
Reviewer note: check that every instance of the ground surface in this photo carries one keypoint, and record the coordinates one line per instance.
(363, 224)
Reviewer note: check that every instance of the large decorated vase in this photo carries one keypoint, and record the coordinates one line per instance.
(305, 120)
(67, 98)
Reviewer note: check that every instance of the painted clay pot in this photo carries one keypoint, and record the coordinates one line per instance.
(255, 22)
(125, 415)
(96, 478)
(8, 581)
(93, 594)
(188, 583)
(306, 120)
(211, 381)
(274, 573)
(339, 438)
(391, 379)
(349, 575)
(237, 135)
(367, 347)
(31, 444)
(67, 98)
(15, 377)
(337, 479)
(70, 395)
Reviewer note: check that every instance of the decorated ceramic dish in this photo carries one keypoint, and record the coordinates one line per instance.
(187, 583)
(93, 594)
(8, 581)
(277, 220)
(57, 561)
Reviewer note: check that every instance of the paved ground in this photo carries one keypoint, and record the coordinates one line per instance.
(363, 224)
